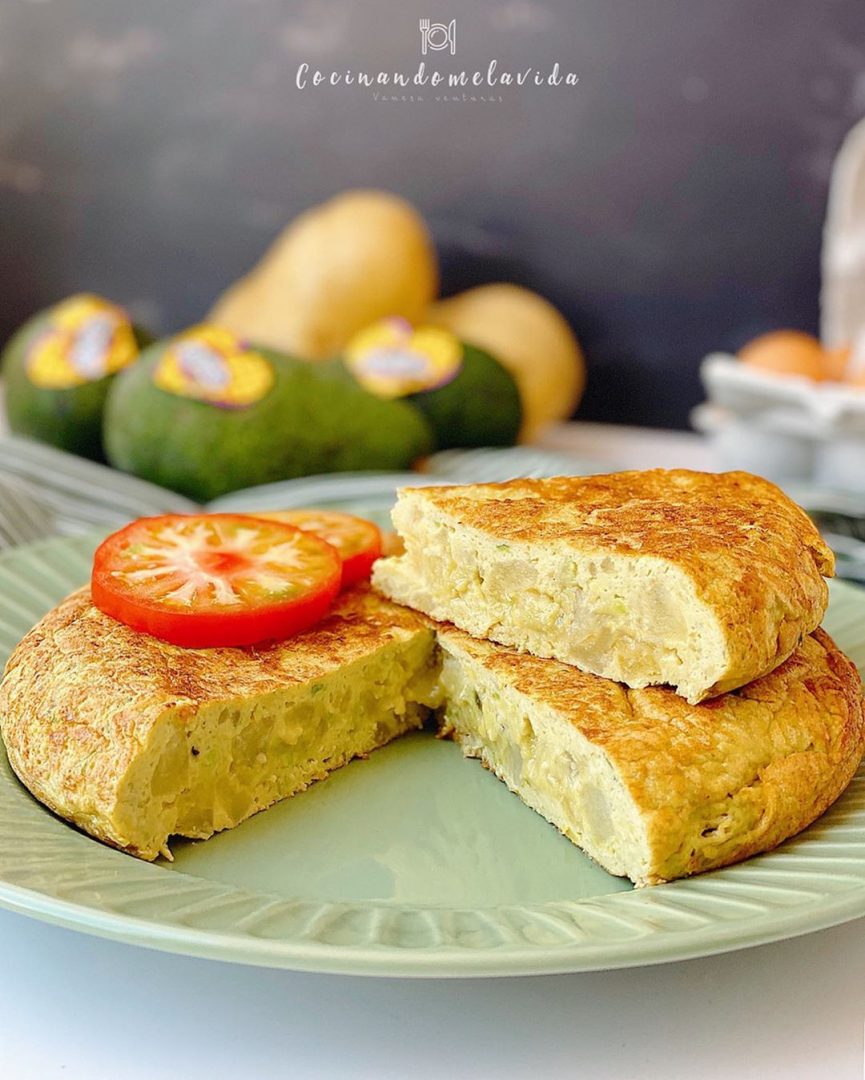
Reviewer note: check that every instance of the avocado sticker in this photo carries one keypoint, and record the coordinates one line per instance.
(392, 359)
(207, 363)
(86, 339)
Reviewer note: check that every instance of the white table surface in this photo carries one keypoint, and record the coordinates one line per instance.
(79, 1008)
(76, 1008)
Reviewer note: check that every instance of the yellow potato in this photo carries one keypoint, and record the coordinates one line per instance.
(359, 257)
(529, 337)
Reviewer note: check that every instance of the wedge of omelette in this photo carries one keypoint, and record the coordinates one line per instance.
(699, 581)
(651, 787)
(135, 740)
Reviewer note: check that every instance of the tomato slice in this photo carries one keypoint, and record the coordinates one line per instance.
(357, 540)
(204, 580)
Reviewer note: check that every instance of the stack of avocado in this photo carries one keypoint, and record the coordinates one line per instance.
(203, 413)
(333, 353)
(366, 255)
(179, 417)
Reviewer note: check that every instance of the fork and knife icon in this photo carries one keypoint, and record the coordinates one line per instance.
(437, 36)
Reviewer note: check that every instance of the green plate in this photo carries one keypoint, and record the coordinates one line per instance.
(414, 862)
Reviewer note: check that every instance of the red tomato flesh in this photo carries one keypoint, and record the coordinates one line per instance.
(208, 580)
(357, 540)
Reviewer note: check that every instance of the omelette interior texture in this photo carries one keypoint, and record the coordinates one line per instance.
(701, 582)
(650, 787)
(135, 740)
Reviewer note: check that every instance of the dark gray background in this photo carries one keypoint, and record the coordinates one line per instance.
(670, 204)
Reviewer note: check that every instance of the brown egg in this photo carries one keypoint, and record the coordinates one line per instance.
(856, 379)
(836, 362)
(786, 352)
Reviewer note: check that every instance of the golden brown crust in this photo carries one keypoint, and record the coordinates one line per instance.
(76, 634)
(720, 781)
(82, 692)
(755, 558)
(675, 514)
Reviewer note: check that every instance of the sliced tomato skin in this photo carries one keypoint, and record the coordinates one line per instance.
(209, 631)
(200, 630)
(356, 566)
(359, 567)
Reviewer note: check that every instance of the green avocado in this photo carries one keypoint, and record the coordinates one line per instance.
(480, 407)
(69, 418)
(311, 421)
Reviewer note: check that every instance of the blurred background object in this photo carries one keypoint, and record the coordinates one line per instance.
(790, 406)
(530, 338)
(59, 366)
(670, 204)
(362, 256)
(842, 299)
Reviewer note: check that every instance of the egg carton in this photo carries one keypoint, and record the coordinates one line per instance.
(783, 427)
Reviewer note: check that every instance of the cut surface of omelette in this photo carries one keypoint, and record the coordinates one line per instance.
(699, 581)
(136, 740)
(650, 787)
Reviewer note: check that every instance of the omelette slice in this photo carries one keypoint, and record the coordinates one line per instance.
(699, 581)
(135, 740)
(650, 787)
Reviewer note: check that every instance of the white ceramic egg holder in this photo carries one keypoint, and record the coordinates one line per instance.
(784, 427)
